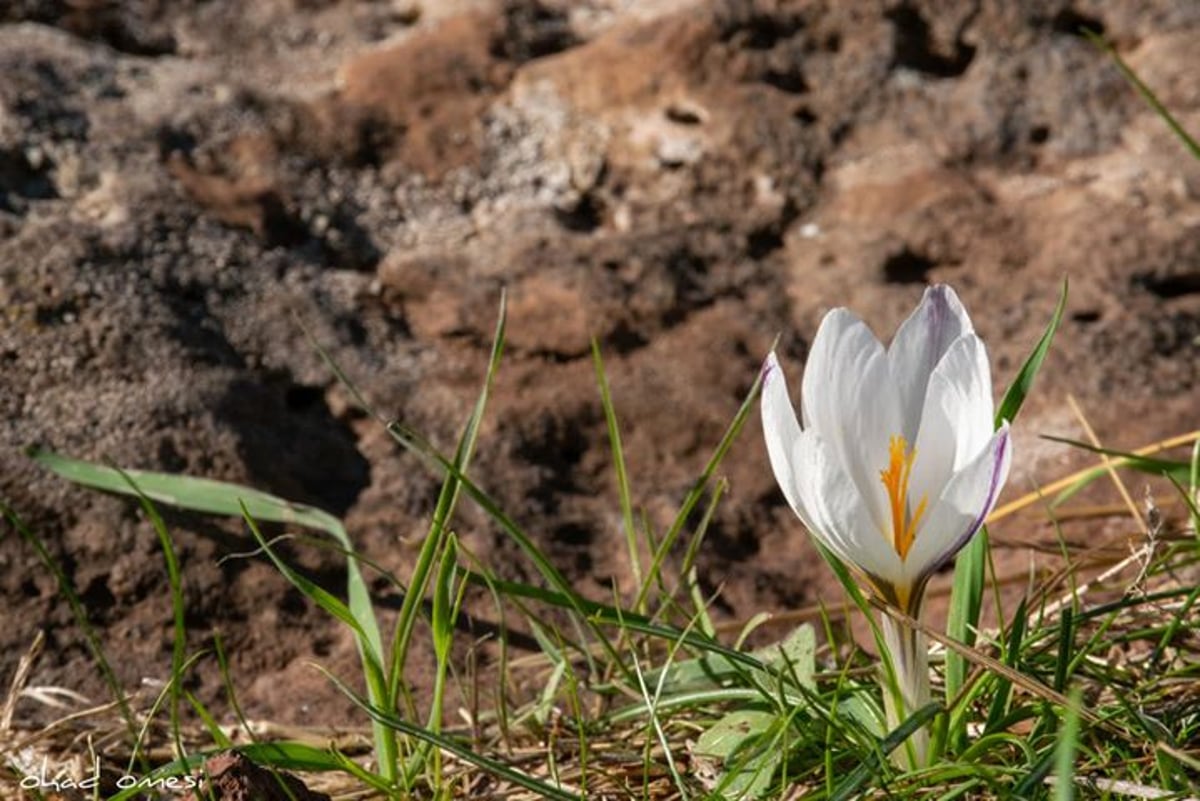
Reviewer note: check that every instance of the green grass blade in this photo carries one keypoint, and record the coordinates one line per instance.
(618, 454)
(966, 597)
(452, 746)
(186, 492)
(314, 592)
(1192, 494)
(175, 583)
(418, 446)
(219, 498)
(79, 613)
(1064, 751)
(701, 484)
(372, 665)
(601, 613)
(1012, 657)
(222, 498)
(1176, 471)
(1031, 785)
(874, 764)
(443, 510)
(1066, 643)
(219, 737)
(1018, 390)
(227, 682)
(1146, 93)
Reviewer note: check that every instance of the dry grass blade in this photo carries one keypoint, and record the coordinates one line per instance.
(1030, 498)
(20, 679)
(1108, 463)
(981, 659)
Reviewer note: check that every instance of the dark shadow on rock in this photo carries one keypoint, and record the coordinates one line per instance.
(532, 29)
(916, 50)
(291, 443)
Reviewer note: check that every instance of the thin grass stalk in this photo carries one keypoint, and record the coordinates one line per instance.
(373, 671)
(175, 584)
(623, 493)
(452, 746)
(1146, 92)
(79, 613)
(966, 598)
(698, 487)
(443, 510)
(1064, 752)
(230, 693)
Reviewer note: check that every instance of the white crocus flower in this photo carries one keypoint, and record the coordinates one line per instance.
(897, 464)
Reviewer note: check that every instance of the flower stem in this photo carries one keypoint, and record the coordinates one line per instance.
(909, 654)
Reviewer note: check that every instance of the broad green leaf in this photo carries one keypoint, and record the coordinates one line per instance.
(749, 761)
(731, 732)
(794, 657)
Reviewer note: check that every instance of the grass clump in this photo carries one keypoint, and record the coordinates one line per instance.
(1088, 684)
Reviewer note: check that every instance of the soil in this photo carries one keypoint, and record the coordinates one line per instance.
(186, 187)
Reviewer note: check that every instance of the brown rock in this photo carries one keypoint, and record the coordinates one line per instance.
(233, 777)
(432, 87)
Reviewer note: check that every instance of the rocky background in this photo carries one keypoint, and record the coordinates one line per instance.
(184, 184)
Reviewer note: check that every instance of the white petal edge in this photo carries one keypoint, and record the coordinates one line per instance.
(956, 420)
(958, 514)
(849, 400)
(839, 517)
(780, 427)
(920, 343)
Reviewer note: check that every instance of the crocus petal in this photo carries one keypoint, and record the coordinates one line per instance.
(967, 500)
(838, 515)
(920, 343)
(780, 427)
(956, 421)
(849, 399)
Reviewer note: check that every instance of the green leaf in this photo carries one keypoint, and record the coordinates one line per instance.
(223, 498)
(793, 658)
(966, 597)
(602, 613)
(446, 502)
(736, 735)
(692, 499)
(1018, 390)
(873, 765)
(731, 732)
(1012, 656)
(1064, 752)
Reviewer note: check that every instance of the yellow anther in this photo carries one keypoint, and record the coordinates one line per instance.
(895, 481)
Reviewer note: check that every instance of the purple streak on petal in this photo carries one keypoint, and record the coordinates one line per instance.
(767, 367)
(1001, 449)
(939, 314)
(993, 490)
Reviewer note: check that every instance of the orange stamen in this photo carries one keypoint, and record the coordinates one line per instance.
(895, 481)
